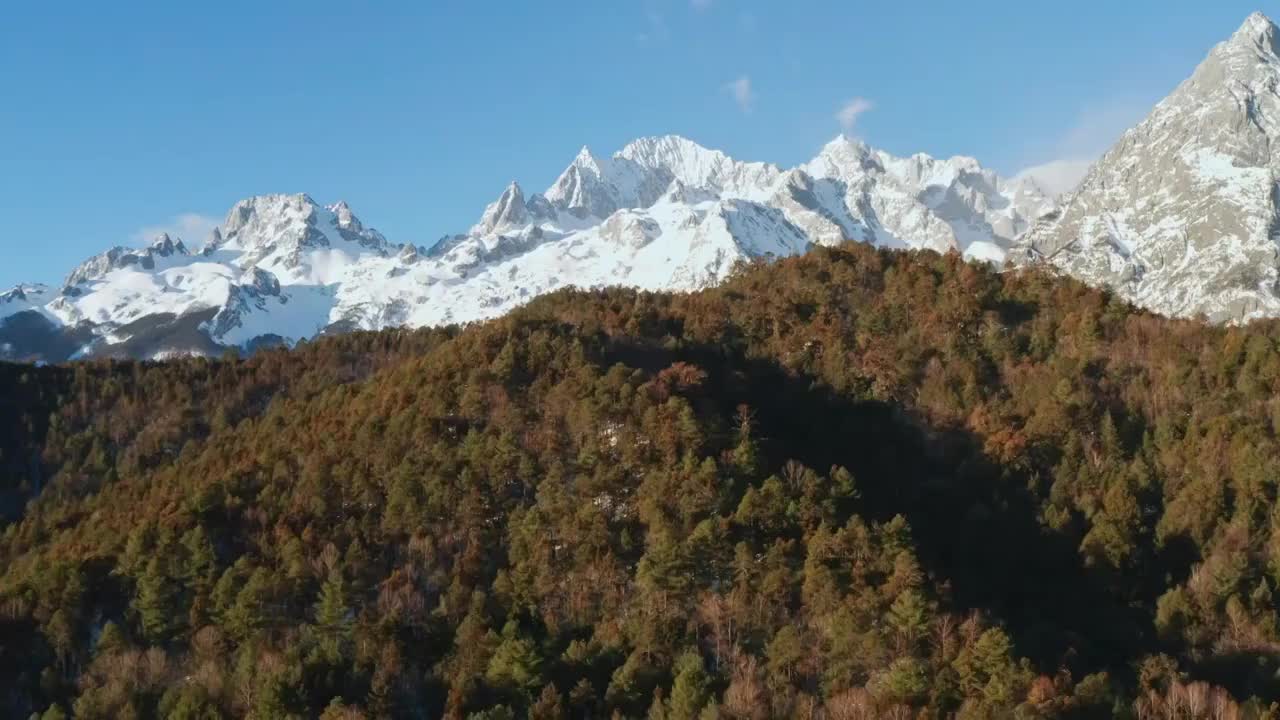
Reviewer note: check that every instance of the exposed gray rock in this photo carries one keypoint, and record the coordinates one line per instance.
(1181, 215)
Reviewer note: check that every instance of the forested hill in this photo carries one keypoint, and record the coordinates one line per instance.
(852, 484)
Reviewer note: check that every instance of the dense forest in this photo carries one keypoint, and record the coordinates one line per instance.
(853, 484)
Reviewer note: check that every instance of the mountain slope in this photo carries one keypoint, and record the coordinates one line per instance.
(855, 480)
(663, 213)
(1181, 215)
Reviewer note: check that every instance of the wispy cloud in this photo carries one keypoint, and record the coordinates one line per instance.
(656, 30)
(1058, 176)
(700, 5)
(1069, 157)
(193, 228)
(850, 111)
(742, 93)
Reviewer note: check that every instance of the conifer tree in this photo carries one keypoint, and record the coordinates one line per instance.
(155, 604)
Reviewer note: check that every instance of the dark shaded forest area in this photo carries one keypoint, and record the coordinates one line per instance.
(853, 484)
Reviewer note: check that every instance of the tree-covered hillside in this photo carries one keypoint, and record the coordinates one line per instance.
(853, 484)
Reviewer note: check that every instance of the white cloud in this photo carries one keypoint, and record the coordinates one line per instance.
(700, 5)
(1058, 176)
(1069, 158)
(742, 93)
(192, 228)
(851, 110)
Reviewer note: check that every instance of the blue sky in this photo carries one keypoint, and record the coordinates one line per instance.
(117, 119)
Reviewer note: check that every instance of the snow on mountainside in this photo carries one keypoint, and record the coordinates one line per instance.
(1182, 215)
(663, 213)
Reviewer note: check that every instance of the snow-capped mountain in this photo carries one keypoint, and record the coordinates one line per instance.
(663, 213)
(1182, 215)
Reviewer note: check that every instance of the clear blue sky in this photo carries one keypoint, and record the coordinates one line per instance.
(120, 117)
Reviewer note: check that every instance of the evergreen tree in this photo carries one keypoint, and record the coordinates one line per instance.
(249, 612)
(516, 662)
(691, 689)
(156, 604)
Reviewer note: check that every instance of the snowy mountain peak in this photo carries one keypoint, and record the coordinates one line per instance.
(1257, 33)
(587, 160)
(583, 189)
(681, 156)
(845, 143)
(120, 257)
(346, 219)
(1253, 52)
(654, 162)
(270, 228)
(662, 213)
(508, 211)
(842, 157)
(1180, 216)
(24, 298)
(166, 246)
(25, 291)
(252, 219)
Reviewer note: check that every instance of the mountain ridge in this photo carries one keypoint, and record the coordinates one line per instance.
(1181, 216)
(661, 213)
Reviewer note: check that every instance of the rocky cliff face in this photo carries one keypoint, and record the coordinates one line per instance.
(1181, 216)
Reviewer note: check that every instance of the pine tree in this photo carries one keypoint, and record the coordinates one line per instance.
(201, 560)
(110, 640)
(333, 615)
(691, 689)
(155, 604)
(908, 616)
(516, 662)
(249, 612)
(785, 652)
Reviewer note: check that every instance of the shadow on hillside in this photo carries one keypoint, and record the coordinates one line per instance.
(24, 424)
(974, 521)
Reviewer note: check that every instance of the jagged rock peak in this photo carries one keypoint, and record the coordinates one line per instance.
(586, 159)
(1179, 215)
(583, 188)
(346, 219)
(267, 224)
(165, 246)
(253, 213)
(261, 281)
(121, 257)
(1257, 32)
(24, 291)
(509, 210)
